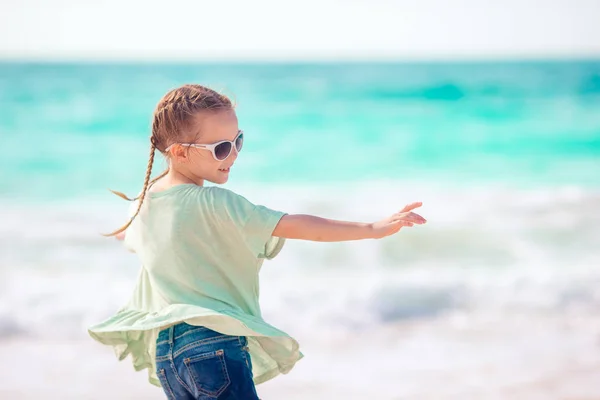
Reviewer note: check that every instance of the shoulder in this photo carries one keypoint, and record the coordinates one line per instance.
(228, 205)
(225, 196)
(205, 193)
(218, 191)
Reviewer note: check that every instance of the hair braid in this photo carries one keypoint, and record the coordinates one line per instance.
(142, 195)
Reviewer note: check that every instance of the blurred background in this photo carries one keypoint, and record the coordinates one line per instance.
(488, 112)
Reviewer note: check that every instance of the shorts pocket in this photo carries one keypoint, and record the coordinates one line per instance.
(208, 372)
(165, 384)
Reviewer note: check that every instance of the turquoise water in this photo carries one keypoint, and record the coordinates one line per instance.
(72, 130)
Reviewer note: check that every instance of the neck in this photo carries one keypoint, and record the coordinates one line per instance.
(174, 178)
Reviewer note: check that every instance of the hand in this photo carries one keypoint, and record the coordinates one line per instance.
(393, 224)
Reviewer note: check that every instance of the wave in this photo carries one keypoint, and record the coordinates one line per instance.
(482, 227)
(483, 251)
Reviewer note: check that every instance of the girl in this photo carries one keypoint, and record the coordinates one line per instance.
(194, 318)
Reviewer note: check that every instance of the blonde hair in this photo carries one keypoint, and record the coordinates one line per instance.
(172, 119)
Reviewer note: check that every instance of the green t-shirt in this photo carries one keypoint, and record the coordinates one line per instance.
(201, 249)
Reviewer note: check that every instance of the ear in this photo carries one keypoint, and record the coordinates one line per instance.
(179, 153)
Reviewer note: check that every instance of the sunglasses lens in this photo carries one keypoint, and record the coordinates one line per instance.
(239, 142)
(223, 150)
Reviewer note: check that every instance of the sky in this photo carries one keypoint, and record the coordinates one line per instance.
(307, 29)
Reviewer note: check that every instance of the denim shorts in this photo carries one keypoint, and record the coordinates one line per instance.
(196, 363)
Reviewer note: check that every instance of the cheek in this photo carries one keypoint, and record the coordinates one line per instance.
(204, 161)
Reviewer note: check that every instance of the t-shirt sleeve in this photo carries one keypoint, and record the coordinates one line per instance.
(255, 223)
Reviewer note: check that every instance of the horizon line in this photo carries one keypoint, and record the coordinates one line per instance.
(6, 59)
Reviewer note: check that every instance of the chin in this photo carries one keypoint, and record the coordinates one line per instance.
(219, 180)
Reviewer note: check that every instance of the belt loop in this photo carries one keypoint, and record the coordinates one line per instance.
(171, 330)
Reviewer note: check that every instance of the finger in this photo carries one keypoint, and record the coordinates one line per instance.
(416, 218)
(411, 206)
(411, 217)
(402, 222)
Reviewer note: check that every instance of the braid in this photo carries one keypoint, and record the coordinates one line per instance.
(152, 182)
(142, 196)
(165, 172)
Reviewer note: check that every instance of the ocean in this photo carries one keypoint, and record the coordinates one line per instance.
(497, 296)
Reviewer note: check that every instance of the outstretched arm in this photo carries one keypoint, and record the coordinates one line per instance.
(309, 227)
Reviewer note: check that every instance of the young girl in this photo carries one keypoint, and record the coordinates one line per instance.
(194, 318)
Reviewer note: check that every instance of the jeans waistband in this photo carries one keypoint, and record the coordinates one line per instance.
(178, 330)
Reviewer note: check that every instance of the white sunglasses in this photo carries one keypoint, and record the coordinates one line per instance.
(220, 150)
